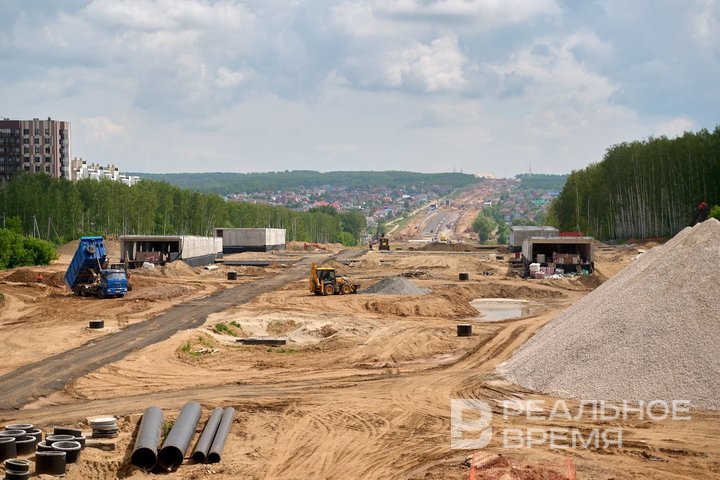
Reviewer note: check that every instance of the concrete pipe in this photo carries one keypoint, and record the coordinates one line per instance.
(44, 447)
(7, 448)
(16, 475)
(17, 465)
(37, 433)
(232, 275)
(25, 445)
(203, 446)
(51, 463)
(464, 329)
(81, 440)
(177, 442)
(75, 432)
(464, 277)
(50, 439)
(20, 426)
(145, 453)
(13, 433)
(71, 449)
(221, 436)
(96, 324)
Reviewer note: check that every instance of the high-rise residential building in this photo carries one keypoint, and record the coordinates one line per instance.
(35, 146)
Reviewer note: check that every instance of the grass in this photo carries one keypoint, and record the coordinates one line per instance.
(228, 329)
(282, 350)
(166, 427)
(190, 347)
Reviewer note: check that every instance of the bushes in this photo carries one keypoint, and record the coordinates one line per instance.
(17, 250)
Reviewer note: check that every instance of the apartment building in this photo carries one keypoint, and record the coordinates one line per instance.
(35, 146)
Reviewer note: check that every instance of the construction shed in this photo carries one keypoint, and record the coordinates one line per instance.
(237, 240)
(571, 254)
(518, 233)
(159, 249)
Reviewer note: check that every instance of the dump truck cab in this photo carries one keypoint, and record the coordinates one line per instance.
(324, 281)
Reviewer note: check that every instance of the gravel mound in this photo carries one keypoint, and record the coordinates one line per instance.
(447, 247)
(650, 332)
(395, 286)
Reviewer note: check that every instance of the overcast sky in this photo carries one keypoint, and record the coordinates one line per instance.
(476, 85)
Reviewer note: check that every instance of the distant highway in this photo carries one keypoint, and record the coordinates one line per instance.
(438, 221)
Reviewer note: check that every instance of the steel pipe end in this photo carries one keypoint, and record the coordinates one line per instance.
(144, 458)
(170, 458)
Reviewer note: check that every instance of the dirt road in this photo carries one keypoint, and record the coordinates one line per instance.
(52, 374)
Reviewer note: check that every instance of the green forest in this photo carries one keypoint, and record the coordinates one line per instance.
(642, 189)
(60, 210)
(227, 183)
(541, 181)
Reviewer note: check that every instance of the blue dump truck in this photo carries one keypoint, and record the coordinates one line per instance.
(88, 274)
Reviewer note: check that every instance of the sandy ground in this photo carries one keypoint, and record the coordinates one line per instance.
(361, 390)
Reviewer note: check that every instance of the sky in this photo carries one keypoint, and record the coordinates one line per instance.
(479, 86)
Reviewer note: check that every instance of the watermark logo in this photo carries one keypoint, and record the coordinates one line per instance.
(471, 422)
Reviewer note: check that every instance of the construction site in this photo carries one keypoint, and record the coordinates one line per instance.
(358, 379)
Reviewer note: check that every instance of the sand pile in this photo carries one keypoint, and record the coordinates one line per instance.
(395, 286)
(650, 332)
(27, 275)
(178, 268)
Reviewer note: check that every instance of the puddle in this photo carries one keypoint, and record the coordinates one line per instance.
(498, 309)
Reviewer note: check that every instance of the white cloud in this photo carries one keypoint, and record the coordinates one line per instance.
(707, 22)
(674, 127)
(432, 67)
(101, 129)
(398, 17)
(228, 78)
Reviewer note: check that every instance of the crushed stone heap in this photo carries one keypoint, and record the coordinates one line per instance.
(395, 286)
(650, 332)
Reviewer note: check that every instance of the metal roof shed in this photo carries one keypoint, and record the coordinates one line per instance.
(193, 250)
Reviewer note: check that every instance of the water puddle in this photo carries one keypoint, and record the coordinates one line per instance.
(498, 309)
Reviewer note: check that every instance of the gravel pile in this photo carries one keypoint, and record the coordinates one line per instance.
(396, 286)
(650, 332)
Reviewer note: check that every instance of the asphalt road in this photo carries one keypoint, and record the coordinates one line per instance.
(49, 375)
(437, 222)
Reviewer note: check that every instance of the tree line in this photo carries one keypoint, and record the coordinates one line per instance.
(228, 183)
(60, 210)
(642, 189)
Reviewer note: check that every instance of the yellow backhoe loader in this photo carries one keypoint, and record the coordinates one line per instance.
(324, 281)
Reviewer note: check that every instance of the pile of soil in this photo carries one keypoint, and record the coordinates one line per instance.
(447, 247)
(396, 286)
(650, 332)
(178, 268)
(27, 275)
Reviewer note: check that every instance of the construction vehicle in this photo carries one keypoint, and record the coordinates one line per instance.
(324, 281)
(701, 213)
(88, 274)
(384, 243)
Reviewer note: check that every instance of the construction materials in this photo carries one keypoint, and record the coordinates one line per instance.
(71, 449)
(75, 432)
(177, 442)
(649, 333)
(96, 324)
(464, 330)
(25, 445)
(50, 463)
(7, 448)
(17, 465)
(20, 426)
(232, 275)
(395, 286)
(104, 427)
(86, 275)
(145, 452)
(324, 281)
(218, 444)
(206, 439)
(51, 439)
(16, 475)
(43, 447)
(35, 432)
(463, 277)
